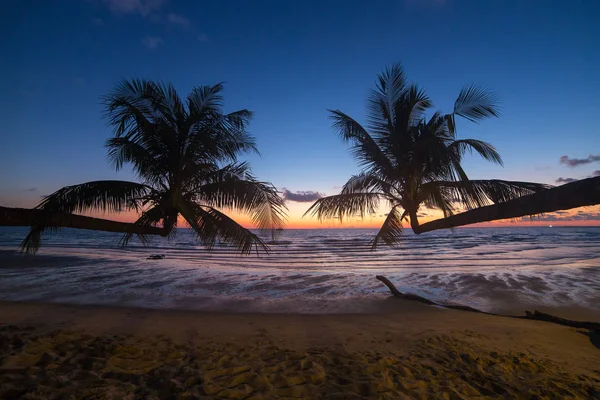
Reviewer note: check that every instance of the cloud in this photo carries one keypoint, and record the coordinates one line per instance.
(32, 189)
(152, 42)
(301, 196)
(574, 162)
(98, 21)
(202, 38)
(565, 216)
(596, 173)
(176, 19)
(142, 7)
(566, 180)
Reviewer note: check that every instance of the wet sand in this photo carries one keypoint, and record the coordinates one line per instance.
(406, 350)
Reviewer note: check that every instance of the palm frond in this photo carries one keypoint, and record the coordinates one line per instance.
(150, 217)
(31, 243)
(485, 150)
(479, 193)
(475, 103)
(146, 165)
(434, 195)
(106, 196)
(205, 101)
(345, 205)
(363, 147)
(235, 188)
(391, 230)
(129, 108)
(210, 224)
(366, 183)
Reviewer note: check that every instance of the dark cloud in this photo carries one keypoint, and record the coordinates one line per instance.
(301, 196)
(582, 216)
(563, 216)
(574, 162)
(596, 172)
(565, 180)
(32, 189)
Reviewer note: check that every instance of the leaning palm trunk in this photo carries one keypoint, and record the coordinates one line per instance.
(585, 192)
(32, 217)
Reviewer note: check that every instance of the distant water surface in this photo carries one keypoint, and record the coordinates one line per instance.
(310, 270)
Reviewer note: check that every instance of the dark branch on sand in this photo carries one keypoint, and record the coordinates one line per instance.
(535, 315)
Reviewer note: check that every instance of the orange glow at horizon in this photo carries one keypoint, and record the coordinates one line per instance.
(295, 219)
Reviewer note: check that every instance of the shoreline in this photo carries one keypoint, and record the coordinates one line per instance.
(412, 351)
(223, 283)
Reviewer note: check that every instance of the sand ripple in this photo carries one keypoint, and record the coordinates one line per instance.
(72, 364)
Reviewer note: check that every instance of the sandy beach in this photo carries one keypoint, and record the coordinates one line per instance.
(406, 351)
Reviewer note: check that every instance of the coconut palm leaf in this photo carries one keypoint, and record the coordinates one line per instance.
(345, 205)
(479, 193)
(485, 150)
(364, 149)
(106, 196)
(228, 189)
(475, 103)
(366, 183)
(210, 224)
(391, 230)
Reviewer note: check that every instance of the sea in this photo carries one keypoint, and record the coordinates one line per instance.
(310, 271)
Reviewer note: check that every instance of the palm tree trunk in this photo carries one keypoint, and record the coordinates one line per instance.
(585, 192)
(33, 217)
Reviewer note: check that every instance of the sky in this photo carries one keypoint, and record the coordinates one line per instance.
(290, 61)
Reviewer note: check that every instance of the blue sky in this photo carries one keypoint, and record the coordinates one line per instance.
(289, 61)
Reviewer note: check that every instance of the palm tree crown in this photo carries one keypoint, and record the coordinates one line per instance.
(410, 160)
(185, 153)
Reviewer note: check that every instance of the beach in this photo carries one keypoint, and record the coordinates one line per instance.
(86, 319)
(405, 351)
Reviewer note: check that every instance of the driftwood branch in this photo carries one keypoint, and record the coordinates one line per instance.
(535, 315)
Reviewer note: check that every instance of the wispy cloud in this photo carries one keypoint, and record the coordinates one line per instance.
(31, 189)
(203, 38)
(152, 42)
(177, 19)
(142, 7)
(574, 162)
(301, 196)
(557, 216)
(98, 21)
(566, 180)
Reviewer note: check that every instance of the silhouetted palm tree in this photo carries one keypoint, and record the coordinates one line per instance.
(410, 160)
(185, 153)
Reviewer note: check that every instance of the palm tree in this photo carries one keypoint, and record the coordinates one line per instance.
(185, 153)
(410, 161)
